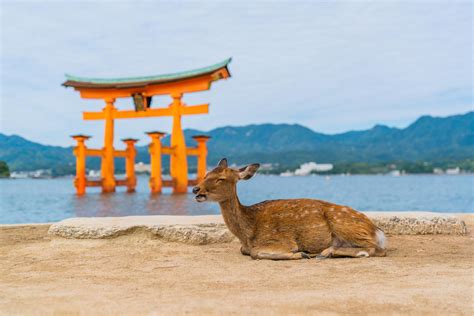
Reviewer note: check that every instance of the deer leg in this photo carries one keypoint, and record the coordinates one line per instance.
(245, 251)
(351, 252)
(280, 256)
(275, 254)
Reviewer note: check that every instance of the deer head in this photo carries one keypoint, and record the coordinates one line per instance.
(219, 184)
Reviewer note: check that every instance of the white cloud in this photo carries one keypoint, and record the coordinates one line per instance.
(330, 66)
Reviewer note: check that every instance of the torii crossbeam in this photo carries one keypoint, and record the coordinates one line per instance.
(141, 90)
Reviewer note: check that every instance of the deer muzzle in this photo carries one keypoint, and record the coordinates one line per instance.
(200, 197)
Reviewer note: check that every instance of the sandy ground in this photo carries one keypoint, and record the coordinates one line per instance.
(430, 275)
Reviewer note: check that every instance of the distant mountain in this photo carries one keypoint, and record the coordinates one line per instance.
(22, 154)
(427, 139)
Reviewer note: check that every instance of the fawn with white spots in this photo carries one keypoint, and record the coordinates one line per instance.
(289, 229)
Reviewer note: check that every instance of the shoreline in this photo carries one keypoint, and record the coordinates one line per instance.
(461, 215)
(463, 173)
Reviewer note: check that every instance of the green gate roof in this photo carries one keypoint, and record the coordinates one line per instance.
(83, 82)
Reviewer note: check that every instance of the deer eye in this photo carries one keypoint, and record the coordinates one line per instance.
(220, 180)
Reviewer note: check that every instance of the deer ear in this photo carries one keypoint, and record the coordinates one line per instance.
(222, 163)
(247, 172)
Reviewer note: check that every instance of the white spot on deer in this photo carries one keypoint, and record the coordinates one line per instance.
(380, 238)
(361, 254)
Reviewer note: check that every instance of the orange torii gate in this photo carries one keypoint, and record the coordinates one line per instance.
(141, 90)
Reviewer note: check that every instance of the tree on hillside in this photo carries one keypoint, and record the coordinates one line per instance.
(4, 170)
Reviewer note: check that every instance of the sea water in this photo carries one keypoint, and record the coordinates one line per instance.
(50, 200)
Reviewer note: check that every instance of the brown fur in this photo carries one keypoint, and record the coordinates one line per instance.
(288, 229)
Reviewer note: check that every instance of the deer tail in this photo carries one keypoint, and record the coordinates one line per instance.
(380, 238)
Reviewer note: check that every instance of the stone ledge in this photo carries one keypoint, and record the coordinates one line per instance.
(196, 230)
(208, 229)
(437, 225)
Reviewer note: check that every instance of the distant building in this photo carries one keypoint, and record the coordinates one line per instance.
(309, 167)
(41, 174)
(306, 168)
(395, 173)
(438, 171)
(19, 175)
(37, 174)
(142, 168)
(94, 173)
(451, 171)
(266, 166)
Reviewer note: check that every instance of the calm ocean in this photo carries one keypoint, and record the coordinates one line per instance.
(50, 200)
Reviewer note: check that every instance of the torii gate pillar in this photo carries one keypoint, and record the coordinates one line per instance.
(178, 161)
(154, 149)
(130, 154)
(108, 169)
(201, 155)
(80, 153)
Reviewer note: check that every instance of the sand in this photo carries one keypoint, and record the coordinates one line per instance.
(130, 275)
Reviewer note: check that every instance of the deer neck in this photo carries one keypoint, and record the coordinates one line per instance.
(237, 217)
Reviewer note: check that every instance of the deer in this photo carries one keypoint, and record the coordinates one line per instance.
(289, 229)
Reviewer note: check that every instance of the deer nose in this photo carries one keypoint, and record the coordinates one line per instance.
(196, 190)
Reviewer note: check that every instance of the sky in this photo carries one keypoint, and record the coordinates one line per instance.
(332, 66)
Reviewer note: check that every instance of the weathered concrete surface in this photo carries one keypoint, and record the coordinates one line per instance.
(208, 229)
(419, 223)
(196, 230)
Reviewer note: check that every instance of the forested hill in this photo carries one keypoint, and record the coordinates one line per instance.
(427, 139)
